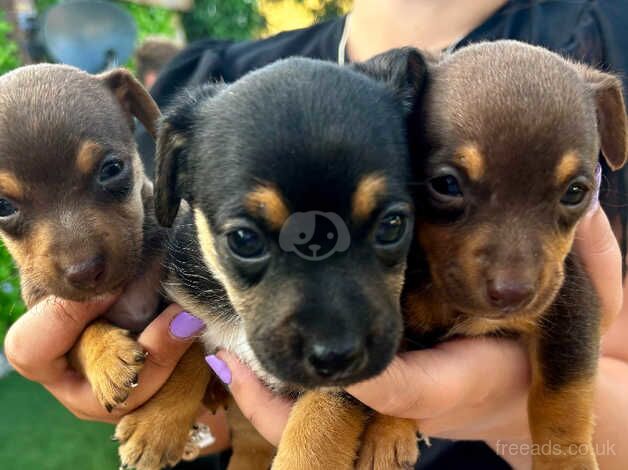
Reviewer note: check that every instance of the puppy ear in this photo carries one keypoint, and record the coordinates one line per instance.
(169, 172)
(133, 98)
(403, 70)
(172, 175)
(611, 115)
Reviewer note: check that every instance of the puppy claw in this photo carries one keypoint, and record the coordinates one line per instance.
(388, 443)
(151, 439)
(111, 367)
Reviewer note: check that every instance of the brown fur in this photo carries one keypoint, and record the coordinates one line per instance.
(471, 159)
(533, 117)
(566, 169)
(388, 442)
(343, 422)
(87, 155)
(58, 126)
(369, 191)
(11, 186)
(268, 202)
(250, 450)
(156, 434)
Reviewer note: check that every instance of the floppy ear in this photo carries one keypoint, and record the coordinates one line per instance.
(169, 172)
(611, 115)
(172, 174)
(403, 70)
(133, 98)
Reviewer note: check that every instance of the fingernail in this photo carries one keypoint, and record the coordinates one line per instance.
(220, 368)
(185, 325)
(595, 200)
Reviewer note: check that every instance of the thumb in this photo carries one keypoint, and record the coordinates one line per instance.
(39, 339)
(597, 247)
(267, 411)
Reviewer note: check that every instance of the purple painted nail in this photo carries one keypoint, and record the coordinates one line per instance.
(185, 325)
(220, 368)
(595, 200)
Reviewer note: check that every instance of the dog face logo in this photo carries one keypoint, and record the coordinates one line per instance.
(314, 235)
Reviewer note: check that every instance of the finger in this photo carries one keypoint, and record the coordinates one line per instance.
(36, 344)
(598, 248)
(267, 412)
(166, 339)
(425, 384)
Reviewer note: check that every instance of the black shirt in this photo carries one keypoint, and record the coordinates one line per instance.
(590, 31)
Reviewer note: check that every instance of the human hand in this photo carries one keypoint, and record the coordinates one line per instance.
(37, 344)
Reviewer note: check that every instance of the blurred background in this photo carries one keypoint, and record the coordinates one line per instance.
(37, 433)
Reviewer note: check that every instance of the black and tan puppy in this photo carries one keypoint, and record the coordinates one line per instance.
(294, 248)
(76, 213)
(507, 146)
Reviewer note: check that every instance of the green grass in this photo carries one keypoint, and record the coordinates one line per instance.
(37, 433)
(11, 305)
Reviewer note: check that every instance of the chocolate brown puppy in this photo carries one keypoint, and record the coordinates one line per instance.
(506, 147)
(76, 213)
(294, 248)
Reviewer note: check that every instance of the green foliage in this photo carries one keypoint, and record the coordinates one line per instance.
(151, 21)
(11, 305)
(229, 19)
(9, 52)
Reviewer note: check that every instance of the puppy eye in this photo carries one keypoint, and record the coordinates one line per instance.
(110, 168)
(574, 195)
(445, 187)
(246, 243)
(6, 208)
(391, 229)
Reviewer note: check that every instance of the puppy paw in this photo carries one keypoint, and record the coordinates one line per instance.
(150, 440)
(388, 443)
(111, 361)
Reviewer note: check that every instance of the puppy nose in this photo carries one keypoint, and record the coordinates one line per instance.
(85, 274)
(330, 359)
(508, 293)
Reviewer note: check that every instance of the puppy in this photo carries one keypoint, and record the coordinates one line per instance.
(76, 213)
(294, 248)
(506, 142)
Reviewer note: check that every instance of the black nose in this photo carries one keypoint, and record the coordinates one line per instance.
(86, 274)
(329, 359)
(508, 293)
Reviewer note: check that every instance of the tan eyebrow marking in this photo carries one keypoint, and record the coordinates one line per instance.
(566, 168)
(266, 201)
(470, 157)
(365, 197)
(86, 156)
(10, 186)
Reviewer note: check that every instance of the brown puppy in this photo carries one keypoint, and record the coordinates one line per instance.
(76, 214)
(507, 141)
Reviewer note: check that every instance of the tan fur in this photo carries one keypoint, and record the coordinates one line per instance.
(304, 444)
(250, 450)
(87, 156)
(266, 201)
(10, 186)
(388, 443)
(110, 360)
(471, 159)
(155, 435)
(566, 168)
(562, 421)
(369, 190)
